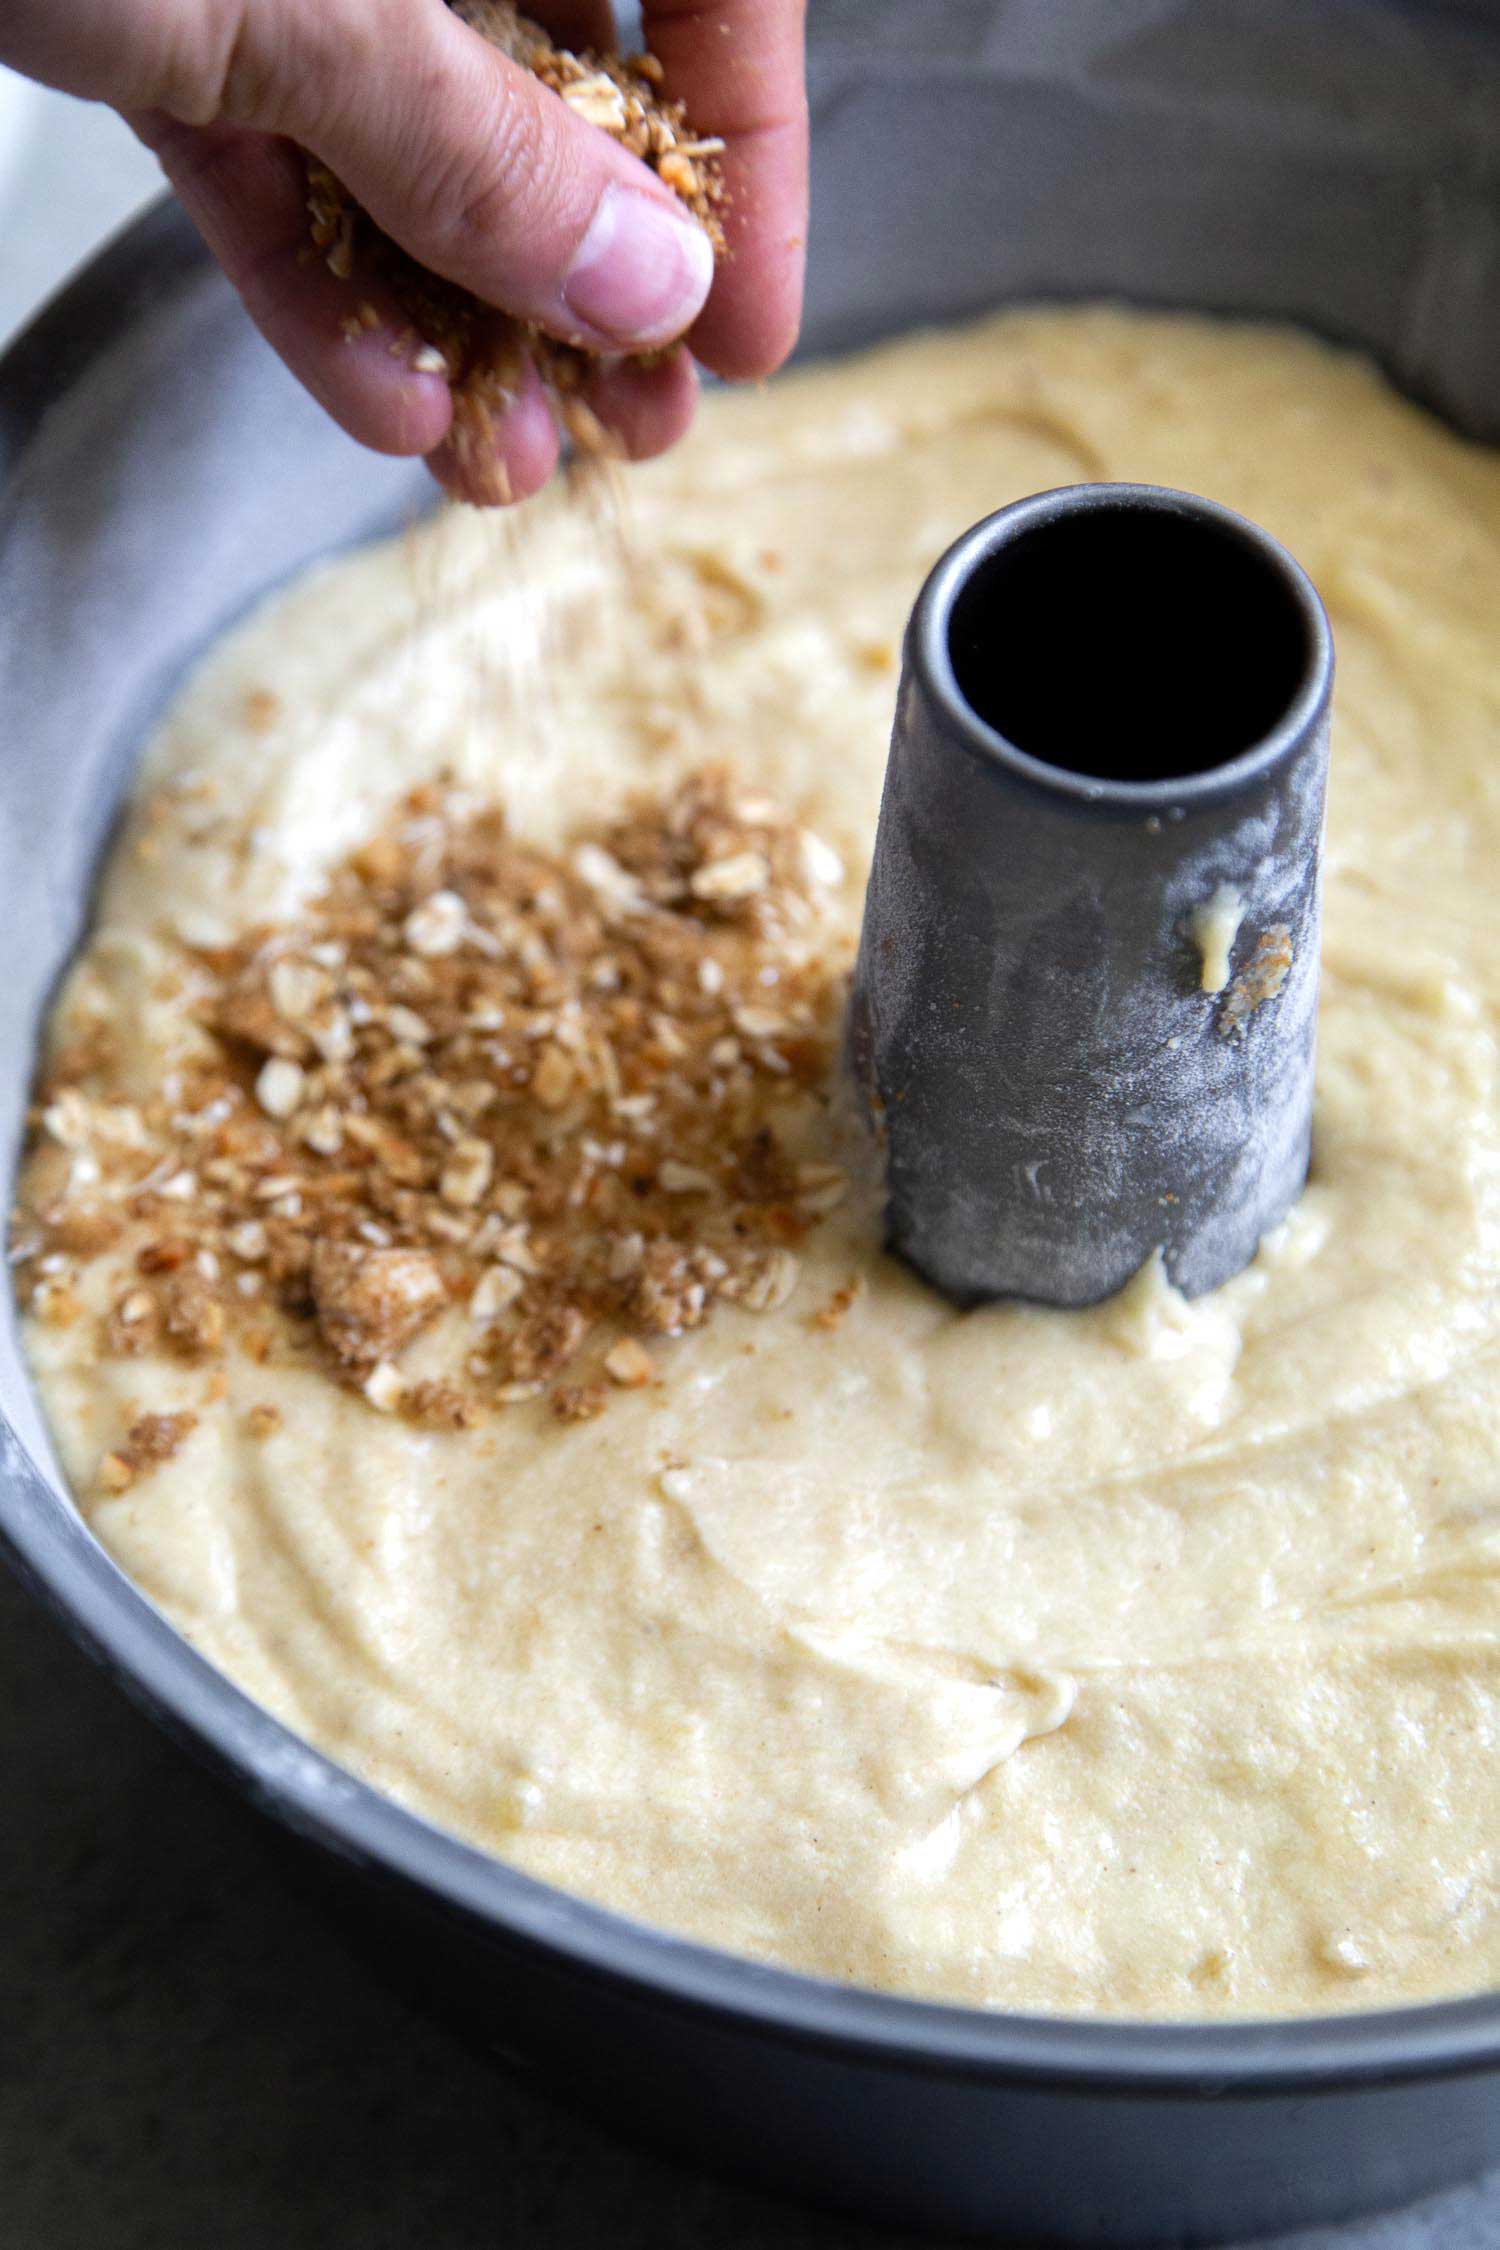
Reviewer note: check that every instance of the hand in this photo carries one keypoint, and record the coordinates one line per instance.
(475, 169)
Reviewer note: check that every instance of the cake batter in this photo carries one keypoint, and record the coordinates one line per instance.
(1140, 1661)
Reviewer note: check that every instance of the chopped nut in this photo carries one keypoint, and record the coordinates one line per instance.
(263, 1420)
(440, 1406)
(384, 1388)
(771, 1286)
(629, 1364)
(156, 1437)
(296, 988)
(683, 1179)
(598, 101)
(513, 1248)
(55, 1305)
(680, 174)
(371, 1302)
(725, 881)
(437, 926)
(324, 1131)
(67, 1118)
(494, 1293)
(605, 876)
(405, 1024)
(278, 1088)
(760, 1023)
(578, 1402)
(151, 1439)
(548, 1342)
(164, 1255)
(821, 1188)
(192, 1317)
(467, 1172)
(553, 1079)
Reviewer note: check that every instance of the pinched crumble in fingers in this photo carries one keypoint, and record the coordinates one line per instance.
(485, 354)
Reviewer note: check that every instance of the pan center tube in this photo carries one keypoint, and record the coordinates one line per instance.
(1084, 1006)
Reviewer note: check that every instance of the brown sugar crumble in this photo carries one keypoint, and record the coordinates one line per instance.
(1260, 980)
(150, 1439)
(484, 353)
(543, 1109)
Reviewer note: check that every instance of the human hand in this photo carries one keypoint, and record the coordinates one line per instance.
(475, 169)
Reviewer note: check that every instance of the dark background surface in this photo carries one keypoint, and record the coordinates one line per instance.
(192, 2059)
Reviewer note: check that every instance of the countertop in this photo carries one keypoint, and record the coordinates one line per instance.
(189, 2055)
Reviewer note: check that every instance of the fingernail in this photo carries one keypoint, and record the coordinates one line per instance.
(640, 274)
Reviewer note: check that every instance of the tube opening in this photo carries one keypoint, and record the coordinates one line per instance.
(1133, 640)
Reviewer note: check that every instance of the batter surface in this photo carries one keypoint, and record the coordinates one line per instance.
(1142, 1661)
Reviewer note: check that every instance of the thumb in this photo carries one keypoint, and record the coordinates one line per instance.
(475, 168)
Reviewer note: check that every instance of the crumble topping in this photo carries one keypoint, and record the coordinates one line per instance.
(151, 1438)
(484, 353)
(564, 1102)
(1260, 980)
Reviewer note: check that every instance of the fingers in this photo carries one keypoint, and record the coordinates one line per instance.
(737, 66)
(246, 194)
(645, 409)
(474, 167)
(498, 462)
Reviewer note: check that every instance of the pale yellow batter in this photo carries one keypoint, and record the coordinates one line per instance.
(1142, 1661)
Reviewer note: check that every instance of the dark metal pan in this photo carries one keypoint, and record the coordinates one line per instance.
(158, 471)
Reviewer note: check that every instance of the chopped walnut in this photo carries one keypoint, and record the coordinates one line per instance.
(371, 1302)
